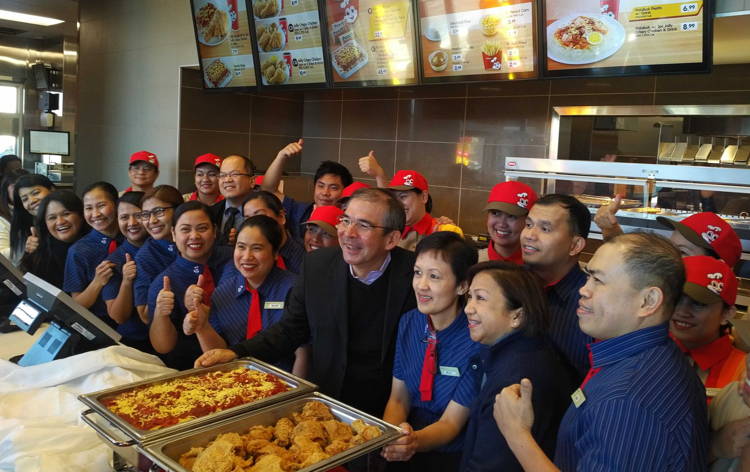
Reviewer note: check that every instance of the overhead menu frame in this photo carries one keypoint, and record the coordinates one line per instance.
(477, 40)
(222, 36)
(625, 37)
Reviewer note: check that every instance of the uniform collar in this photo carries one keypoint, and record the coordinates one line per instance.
(189, 266)
(423, 226)
(241, 285)
(99, 238)
(711, 354)
(568, 286)
(611, 351)
(194, 196)
(516, 257)
(164, 245)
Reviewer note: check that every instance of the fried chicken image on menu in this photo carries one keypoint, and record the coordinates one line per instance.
(292, 443)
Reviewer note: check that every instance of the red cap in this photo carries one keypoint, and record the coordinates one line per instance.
(144, 156)
(327, 217)
(709, 231)
(708, 280)
(350, 189)
(512, 197)
(209, 158)
(407, 180)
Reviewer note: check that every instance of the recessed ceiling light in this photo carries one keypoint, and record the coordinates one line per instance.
(24, 18)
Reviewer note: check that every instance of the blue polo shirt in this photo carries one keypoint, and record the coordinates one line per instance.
(80, 267)
(644, 410)
(296, 213)
(292, 252)
(505, 363)
(456, 379)
(133, 328)
(152, 258)
(563, 328)
(230, 305)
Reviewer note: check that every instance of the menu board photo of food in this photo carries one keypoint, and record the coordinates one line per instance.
(477, 39)
(289, 38)
(582, 35)
(224, 48)
(372, 42)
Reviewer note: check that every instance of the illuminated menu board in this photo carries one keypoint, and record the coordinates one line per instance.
(224, 47)
(605, 37)
(372, 42)
(477, 39)
(289, 39)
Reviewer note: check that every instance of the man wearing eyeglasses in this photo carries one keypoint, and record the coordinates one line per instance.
(347, 303)
(235, 183)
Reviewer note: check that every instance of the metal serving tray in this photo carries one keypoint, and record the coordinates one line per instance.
(134, 435)
(167, 451)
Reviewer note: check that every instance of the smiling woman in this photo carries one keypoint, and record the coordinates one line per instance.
(34, 187)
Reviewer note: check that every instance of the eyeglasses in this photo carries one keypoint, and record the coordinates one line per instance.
(363, 226)
(233, 175)
(158, 212)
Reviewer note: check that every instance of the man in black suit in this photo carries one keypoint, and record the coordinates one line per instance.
(236, 179)
(346, 304)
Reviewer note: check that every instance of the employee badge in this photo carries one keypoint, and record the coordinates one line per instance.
(578, 398)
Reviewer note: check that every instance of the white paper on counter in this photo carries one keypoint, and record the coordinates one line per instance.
(40, 426)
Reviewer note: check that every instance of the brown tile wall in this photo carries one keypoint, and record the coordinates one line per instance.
(422, 128)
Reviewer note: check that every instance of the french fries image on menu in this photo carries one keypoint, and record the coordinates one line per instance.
(492, 55)
(491, 48)
(489, 25)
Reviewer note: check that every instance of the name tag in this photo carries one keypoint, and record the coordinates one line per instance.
(450, 371)
(273, 305)
(712, 392)
(578, 398)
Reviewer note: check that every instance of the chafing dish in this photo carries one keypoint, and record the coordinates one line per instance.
(166, 452)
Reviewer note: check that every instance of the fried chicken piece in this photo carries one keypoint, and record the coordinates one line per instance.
(283, 432)
(220, 455)
(187, 459)
(252, 446)
(364, 432)
(316, 411)
(336, 430)
(337, 446)
(267, 463)
(261, 432)
(311, 430)
(314, 458)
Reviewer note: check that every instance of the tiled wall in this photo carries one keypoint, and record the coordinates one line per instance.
(422, 128)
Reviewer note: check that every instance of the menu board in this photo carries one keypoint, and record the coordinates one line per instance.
(602, 37)
(224, 48)
(372, 42)
(289, 38)
(477, 39)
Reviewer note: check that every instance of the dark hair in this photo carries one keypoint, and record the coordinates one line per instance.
(5, 197)
(521, 289)
(192, 205)
(20, 224)
(249, 166)
(5, 160)
(395, 217)
(106, 187)
(653, 261)
(272, 201)
(269, 227)
(165, 193)
(451, 248)
(579, 217)
(133, 197)
(331, 167)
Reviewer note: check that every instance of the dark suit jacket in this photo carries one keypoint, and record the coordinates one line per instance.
(217, 211)
(317, 313)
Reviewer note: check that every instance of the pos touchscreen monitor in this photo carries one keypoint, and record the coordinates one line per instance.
(72, 328)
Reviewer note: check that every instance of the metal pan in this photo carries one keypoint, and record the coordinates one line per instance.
(134, 435)
(166, 452)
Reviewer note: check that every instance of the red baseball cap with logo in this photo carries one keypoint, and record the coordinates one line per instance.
(709, 231)
(709, 280)
(350, 189)
(327, 217)
(408, 180)
(209, 158)
(514, 198)
(145, 156)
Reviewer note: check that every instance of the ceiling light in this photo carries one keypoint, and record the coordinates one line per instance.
(24, 18)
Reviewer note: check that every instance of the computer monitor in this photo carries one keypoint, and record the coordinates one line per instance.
(72, 329)
(49, 142)
(12, 291)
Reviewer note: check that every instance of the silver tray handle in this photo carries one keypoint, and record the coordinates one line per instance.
(102, 432)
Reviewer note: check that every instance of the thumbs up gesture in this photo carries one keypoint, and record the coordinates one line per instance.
(606, 220)
(165, 300)
(32, 241)
(291, 149)
(513, 411)
(128, 269)
(370, 166)
(194, 294)
(195, 320)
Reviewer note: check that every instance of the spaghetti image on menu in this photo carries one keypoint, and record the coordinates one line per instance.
(584, 38)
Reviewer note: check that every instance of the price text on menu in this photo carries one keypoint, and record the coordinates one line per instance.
(620, 33)
(372, 41)
(289, 41)
(476, 37)
(224, 45)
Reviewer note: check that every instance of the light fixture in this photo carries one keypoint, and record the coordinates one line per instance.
(25, 18)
